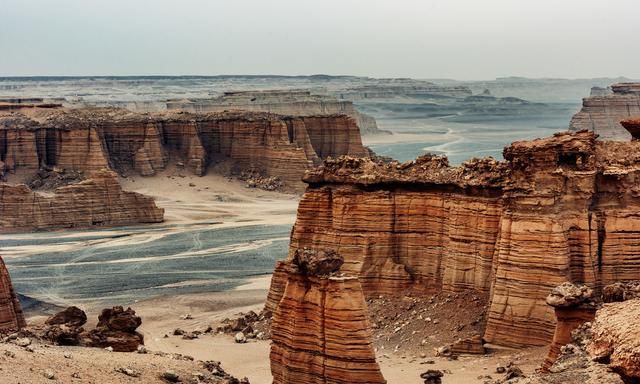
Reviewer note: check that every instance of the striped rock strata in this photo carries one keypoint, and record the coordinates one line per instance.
(11, 316)
(321, 332)
(602, 113)
(563, 208)
(88, 140)
(97, 201)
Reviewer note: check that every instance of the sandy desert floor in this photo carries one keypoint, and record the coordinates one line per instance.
(191, 199)
(163, 314)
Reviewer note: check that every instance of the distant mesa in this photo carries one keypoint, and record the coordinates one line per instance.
(603, 110)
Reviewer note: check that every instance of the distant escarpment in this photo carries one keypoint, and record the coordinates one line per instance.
(602, 111)
(563, 208)
(11, 316)
(282, 102)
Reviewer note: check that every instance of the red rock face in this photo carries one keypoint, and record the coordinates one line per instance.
(558, 209)
(321, 333)
(98, 201)
(11, 316)
(89, 140)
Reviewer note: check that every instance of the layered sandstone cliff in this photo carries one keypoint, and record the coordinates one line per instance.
(602, 112)
(96, 201)
(88, 140)
(11, 316)
(282, 102)
(558, 209)
(320, 328)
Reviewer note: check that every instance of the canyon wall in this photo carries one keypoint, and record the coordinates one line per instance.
(602, 111)
(282, 102)
(11, 316)
(558, 209)
(89, 140)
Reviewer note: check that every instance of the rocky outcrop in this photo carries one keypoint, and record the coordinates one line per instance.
(602, 113)
(116, 329)
(558, 209)
(320, 329)
(97, 201)
(279, 101)
(72, 316)
(80, 144)
(11, 316)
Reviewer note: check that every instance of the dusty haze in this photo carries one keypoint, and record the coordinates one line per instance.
(463, 39)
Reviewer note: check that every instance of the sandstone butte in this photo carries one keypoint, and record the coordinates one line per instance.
(602, 113)
(91, 141)
(562, 208)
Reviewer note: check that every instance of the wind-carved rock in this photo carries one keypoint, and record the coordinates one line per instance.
(573, 305)
(11, 316)
(65, 327)
(563, 208)
(602, 113)
(320, 328)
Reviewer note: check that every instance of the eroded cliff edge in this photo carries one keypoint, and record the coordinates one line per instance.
(563, 208)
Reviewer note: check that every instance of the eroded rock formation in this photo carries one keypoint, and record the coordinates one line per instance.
(97, 201)
(606, 350)
(11, 316)
(320, 329)
(573, 306)
(563, 208)
(602, 112)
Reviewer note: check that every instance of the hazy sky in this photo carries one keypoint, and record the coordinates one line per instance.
(463, 39)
